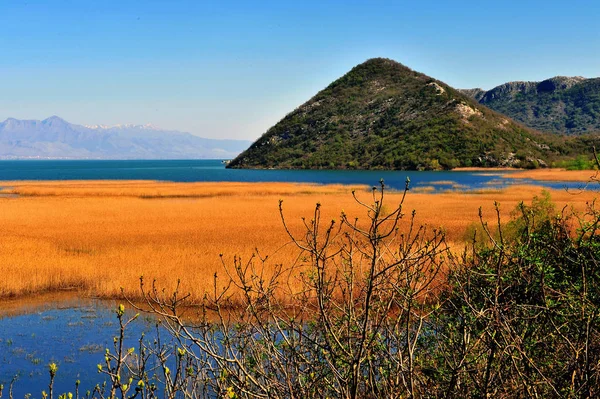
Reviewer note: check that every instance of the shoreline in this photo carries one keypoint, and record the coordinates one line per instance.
(559, 175)
(41, 301)
(485, 169)
(547, 174)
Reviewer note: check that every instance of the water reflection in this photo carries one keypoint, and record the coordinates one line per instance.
(73, 333)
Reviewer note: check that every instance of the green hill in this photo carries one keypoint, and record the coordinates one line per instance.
(383, 115)
(569, 105)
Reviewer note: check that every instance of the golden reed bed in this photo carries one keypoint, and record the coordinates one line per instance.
(552, 174)
(96, 237)
(556, 175)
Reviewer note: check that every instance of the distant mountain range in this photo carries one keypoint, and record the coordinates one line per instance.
(569, 105)
(383, 115)
(55, 138)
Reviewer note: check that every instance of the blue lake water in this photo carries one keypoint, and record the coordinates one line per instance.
(73, 335)
(215, 171)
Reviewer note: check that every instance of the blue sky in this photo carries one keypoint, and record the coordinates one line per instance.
(227, 69)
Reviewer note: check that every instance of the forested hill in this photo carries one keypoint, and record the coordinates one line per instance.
(384, 115)
(569, 105)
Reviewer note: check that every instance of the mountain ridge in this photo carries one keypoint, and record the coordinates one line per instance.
(55, 138)
(561, 104)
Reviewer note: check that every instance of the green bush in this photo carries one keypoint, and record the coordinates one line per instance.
(582, 162)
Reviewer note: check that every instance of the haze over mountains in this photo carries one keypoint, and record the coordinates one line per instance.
(55, 138)
(384, 115)
(569, 105)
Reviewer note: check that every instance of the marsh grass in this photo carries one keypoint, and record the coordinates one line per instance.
(554, 175)
(93, 238)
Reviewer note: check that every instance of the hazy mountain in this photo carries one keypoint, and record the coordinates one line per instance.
(382, 114)
(569, 105)
(57, 138)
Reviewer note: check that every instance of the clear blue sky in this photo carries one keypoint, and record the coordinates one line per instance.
(228, 69)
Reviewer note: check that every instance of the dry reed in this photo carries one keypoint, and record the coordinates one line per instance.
(554, 175)
(96, 237)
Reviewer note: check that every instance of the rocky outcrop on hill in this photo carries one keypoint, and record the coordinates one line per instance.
(569, 105)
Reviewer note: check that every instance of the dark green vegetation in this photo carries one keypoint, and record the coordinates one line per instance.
(371, 313)
(383, 115)
(569, 105)
(581, 162)
(522, 314)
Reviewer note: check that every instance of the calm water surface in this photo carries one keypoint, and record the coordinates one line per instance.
(215, 171)
(73, 334)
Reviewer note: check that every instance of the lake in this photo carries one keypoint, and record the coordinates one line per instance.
(75, 334)
(214, 171)
(72, 333)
